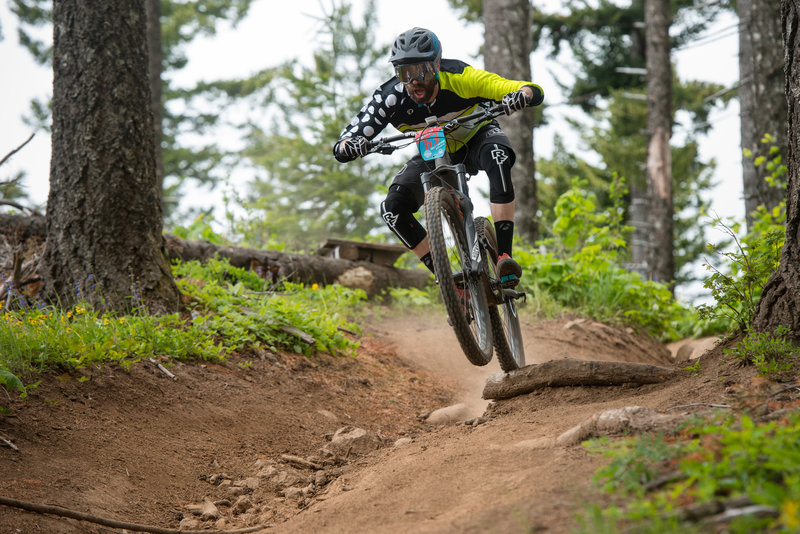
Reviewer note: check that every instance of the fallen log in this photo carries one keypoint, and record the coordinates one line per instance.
(273, 265)
(20, 228)
(571, 372)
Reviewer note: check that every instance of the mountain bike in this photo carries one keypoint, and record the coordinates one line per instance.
(481, 310)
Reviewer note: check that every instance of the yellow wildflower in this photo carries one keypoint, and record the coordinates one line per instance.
(789, 515)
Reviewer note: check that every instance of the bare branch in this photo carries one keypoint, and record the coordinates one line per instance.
(16, 149)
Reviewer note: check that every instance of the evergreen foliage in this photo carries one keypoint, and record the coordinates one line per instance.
(617, 137)
(185, 109)
(301, 193)
(581, 267)
(736, 285)
(604, 36)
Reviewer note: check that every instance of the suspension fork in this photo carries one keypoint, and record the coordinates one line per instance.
(461, 193)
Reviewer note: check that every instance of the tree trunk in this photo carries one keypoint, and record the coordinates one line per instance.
(506, 51)
(572, 372)
(639, 219)
(155, 68)
(761, 97)
(780, 300)
(104, 241)
(661, 265)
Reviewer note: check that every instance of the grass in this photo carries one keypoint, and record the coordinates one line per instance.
(730, 461)
(230, 309)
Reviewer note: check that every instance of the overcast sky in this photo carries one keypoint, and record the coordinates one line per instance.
(271, 35)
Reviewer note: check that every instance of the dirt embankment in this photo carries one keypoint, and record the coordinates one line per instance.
(254, 442)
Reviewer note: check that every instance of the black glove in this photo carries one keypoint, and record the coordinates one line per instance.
(515, 101)
(353, 147)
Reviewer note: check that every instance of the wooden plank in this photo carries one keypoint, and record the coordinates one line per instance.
(377, 253)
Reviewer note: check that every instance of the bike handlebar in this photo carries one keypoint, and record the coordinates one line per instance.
(384, 145)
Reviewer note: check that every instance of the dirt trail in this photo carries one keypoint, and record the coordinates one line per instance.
(496, 476)
(138, 447)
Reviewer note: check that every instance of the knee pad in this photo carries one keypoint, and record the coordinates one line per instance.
(497, 161)
(397, 211)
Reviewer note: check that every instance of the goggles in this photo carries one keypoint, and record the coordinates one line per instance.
(421, 72)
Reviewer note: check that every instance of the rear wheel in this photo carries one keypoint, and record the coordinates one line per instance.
(506, 332)
(465, 299)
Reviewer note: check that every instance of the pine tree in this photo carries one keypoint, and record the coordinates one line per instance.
(780, 301)
(104, 228)
(618, 138)
(302, 194)
(761, 98)
(181, 23)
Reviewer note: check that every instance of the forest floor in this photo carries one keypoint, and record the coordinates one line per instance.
(251, 440)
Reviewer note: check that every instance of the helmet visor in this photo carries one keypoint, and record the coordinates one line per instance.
(422, 72)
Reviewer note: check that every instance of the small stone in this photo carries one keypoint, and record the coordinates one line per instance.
(267, 472)
(402, 441)
(350, 440)
(536, 443)
(328, 415)
(478, 421)
(309, 491)
(573, 324)
(209, 511)
(450, 414)
(188, 523)
(293, 493)
(235, 491)
(242, 505)
(320, 478)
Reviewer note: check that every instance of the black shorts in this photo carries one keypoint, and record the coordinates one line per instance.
(409, 175)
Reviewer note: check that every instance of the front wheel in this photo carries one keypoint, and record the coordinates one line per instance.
(462, 291)
(506, 331)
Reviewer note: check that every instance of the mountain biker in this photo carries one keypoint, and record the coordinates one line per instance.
(424, 85)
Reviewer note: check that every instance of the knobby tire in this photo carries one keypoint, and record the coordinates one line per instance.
(506, 332)
(450, 253)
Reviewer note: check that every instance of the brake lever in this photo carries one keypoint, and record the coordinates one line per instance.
(386, 149)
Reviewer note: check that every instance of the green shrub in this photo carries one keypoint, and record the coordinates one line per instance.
(232, 309)
(408, 299)
(580, 267)
(199, 230)
(715, 460)
(49, 338)
(747, 267)
(772, 353)
(243, 309)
